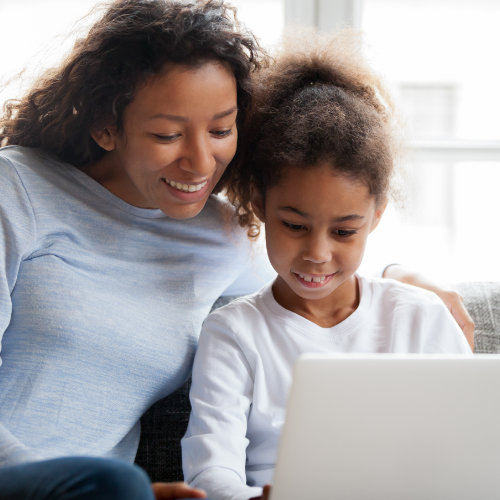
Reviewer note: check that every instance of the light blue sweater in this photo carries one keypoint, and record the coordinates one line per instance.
(101, 304)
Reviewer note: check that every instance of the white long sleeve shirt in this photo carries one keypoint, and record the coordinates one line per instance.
(243, 366)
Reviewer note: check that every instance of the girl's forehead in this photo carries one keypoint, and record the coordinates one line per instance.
(324, 171)
(319, 186)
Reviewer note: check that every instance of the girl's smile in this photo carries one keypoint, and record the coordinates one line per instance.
(313, 280)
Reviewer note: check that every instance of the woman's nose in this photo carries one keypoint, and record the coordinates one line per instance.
(199, 158)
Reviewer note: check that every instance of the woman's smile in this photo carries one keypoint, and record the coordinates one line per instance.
(185, 187)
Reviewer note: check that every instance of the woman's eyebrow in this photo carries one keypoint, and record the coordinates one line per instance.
(228, 112)
(179, 118)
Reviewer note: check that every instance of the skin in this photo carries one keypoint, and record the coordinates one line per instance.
(167, 491)
(178, 136)
(317, 225)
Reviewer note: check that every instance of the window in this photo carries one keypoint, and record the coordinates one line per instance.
(41, 32)
(438, 56)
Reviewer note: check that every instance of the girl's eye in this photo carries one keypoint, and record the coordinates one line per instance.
(222, 133)
(344, 233)
(293, 227)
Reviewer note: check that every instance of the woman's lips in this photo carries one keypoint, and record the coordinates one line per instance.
(186, 187)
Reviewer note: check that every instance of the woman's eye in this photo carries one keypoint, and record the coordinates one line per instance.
(166, 138)
(293, 227)
(222, 133)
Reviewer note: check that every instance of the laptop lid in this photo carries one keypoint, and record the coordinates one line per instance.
(391, 427)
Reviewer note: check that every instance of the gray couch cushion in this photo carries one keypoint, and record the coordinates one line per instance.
(482, 300)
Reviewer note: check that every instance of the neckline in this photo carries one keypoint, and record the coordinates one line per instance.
(105, 194)
(308, 327)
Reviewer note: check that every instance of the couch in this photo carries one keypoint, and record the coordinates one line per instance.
(165, 423)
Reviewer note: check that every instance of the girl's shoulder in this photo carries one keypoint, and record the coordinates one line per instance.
(250, 308)
(396, 293)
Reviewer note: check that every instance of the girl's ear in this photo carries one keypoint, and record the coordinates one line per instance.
(105, 137)
(257, 201)
(379, 211)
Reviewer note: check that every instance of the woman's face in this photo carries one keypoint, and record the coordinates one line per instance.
(179, 134)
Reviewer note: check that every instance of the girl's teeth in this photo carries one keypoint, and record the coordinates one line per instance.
(314, 279)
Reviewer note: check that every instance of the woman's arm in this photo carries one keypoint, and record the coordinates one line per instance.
(17, 229)
(451, 298)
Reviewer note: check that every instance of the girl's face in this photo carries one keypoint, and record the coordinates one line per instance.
(317, 223)
(179, 134)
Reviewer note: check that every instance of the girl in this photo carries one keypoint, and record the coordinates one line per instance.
(317, 172)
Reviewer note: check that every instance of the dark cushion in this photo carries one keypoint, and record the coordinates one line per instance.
(165, 423)
(162, 428)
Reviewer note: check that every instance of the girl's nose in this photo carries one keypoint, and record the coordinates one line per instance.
(318, 249)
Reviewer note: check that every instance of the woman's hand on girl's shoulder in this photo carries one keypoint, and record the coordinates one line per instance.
(168, 491)
(451, 298)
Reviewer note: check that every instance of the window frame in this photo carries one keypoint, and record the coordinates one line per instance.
(333, 15)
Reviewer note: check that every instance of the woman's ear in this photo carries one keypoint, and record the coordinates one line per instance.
(257, 201)
(105, 137)
(379, 211)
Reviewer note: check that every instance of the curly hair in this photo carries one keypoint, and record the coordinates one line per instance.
(318, 102)
(131, 43)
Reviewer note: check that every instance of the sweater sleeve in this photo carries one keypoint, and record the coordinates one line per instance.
(256, 271)
(214, 447)
(17, 234)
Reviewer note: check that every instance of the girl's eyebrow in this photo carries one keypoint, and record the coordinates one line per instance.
(343, 218)
(178, 118)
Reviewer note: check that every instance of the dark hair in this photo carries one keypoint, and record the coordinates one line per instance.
(315, 104)
(132, 42)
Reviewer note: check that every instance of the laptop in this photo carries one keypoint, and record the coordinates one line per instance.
(391, 427)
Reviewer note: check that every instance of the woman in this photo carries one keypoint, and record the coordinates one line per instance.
(112, 245)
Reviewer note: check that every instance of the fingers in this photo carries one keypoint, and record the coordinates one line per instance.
(266, 491)
(462, 317)
(167, 491)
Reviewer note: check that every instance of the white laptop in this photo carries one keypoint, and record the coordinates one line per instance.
(391, 427)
